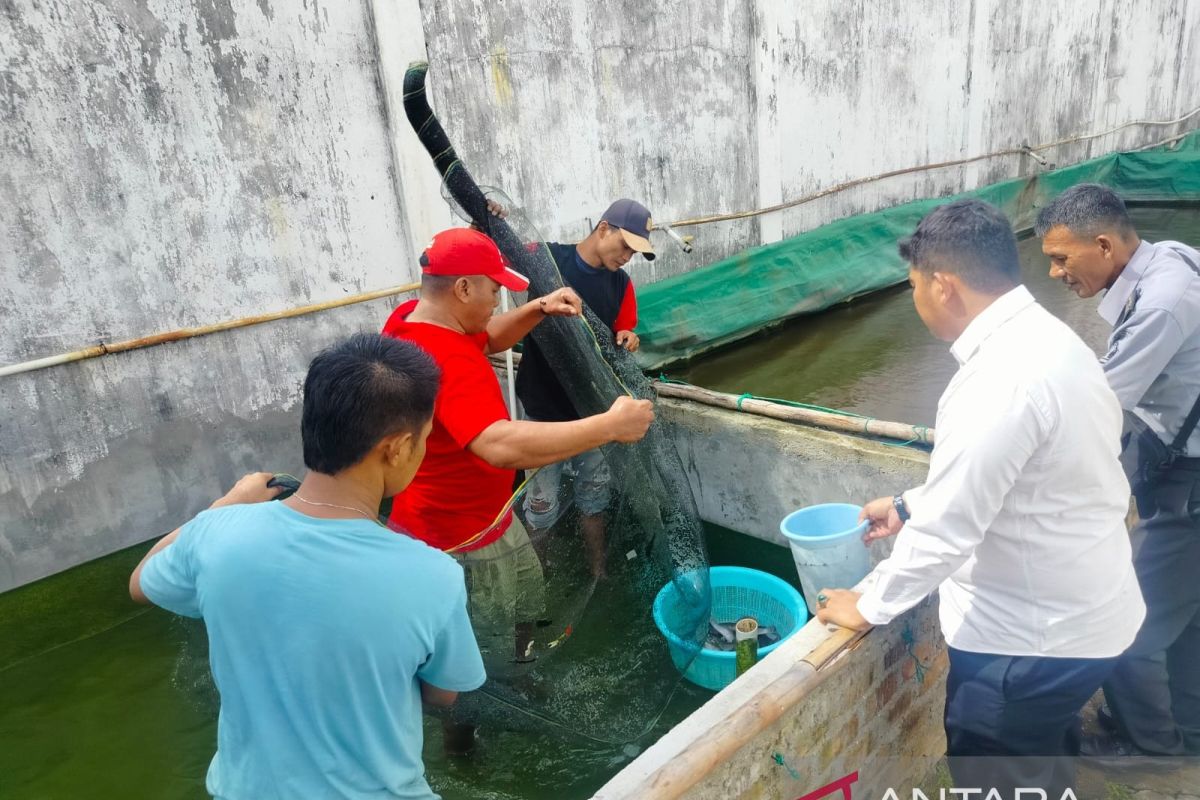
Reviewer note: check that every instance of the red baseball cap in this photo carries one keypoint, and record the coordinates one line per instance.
(465, 251)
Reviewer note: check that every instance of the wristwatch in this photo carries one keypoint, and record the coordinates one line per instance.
(901, 508)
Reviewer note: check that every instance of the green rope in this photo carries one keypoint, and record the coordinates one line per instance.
(922, 431)
(922, 437)
(909, 641)
(781, 761)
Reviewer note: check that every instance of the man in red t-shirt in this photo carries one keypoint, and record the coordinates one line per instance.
(459, 500)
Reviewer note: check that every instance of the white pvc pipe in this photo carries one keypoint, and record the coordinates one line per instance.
(508, 362)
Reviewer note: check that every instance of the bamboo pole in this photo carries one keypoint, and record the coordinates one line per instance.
(822, 419)
(721, 742)
(103, 349)
(765, 408)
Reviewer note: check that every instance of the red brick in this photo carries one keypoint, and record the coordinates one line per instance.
(899, 707)
(936, 666)
(831, 750)
(850, 731)
(886, 690)
(923, 736)
(897, 651)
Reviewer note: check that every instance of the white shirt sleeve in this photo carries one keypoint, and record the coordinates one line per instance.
(987, 431)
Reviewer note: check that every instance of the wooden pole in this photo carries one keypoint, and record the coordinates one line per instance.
(102, 349)
(822, 419)
(765, 408)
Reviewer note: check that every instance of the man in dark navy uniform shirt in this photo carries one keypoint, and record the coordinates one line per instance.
(593, 268)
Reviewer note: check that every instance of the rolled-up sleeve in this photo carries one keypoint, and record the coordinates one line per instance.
(455, 663)
(1138, 352)
(988, 438)
(169, 578)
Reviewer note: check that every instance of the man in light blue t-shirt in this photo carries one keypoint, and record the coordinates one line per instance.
(326, 629)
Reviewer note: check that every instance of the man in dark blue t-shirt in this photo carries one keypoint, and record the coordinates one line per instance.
(593, 268)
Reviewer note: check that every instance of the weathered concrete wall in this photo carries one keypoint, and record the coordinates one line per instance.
(166, 164)
(569, 105)
(170, 163)
(944, 81)
(698, 107)
(748, 473)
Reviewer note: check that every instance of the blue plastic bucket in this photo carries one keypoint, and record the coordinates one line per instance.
(826, 542)
(736, 592)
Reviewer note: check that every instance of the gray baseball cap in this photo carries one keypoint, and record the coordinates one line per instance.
(633, 220)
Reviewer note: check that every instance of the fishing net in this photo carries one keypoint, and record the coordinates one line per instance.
(625, 525)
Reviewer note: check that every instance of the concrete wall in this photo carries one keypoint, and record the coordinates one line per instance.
(748, 473)
(172, 164)
(727, 105)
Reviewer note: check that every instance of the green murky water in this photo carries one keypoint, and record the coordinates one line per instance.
(874, 357)
(100, 698)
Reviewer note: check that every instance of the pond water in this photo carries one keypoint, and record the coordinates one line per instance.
(874, 357)
(115, 701)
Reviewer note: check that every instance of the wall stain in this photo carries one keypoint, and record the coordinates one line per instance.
(501, 75)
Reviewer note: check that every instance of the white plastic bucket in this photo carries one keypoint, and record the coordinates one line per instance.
(827, 546)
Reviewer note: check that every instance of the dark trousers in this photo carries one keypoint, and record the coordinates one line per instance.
(1013, 721)
(1154, 692)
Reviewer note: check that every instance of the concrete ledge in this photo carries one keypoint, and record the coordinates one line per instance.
(748, 472)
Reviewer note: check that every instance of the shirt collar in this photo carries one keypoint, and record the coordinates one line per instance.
(1002, 309)
(586, 267)
(1114, 301)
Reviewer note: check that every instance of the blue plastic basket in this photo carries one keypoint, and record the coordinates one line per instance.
(736, 592)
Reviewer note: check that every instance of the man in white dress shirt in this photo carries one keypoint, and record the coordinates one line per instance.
(1021, 521)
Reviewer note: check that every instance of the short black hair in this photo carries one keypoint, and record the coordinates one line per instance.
(968, 238)
(1087, 209)
(360, 391)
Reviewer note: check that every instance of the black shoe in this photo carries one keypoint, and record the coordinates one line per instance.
(1113, 752)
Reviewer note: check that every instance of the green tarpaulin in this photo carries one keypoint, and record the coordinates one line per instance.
(692, 313)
